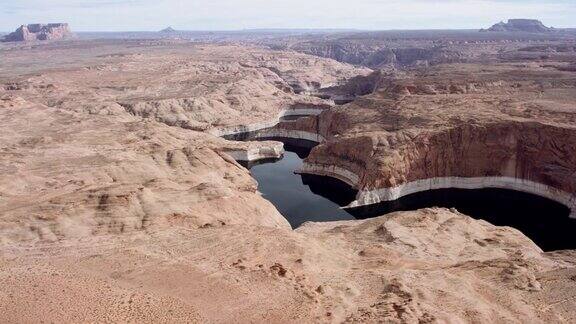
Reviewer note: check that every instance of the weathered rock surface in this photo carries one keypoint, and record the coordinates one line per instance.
(126, 168)
(194, 87)
(98, 176)
(204, 90)
(432, 265)
(392, 50)
(379, 56)
(39, 32)
(468, 121)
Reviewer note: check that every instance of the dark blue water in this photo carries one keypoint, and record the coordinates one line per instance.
(544, 221)
(302, 198)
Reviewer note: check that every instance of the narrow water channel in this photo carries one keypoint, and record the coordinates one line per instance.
(302, 198)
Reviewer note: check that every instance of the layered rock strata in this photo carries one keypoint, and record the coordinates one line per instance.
(394, 142)
(256, 151)
(405, 50)
(379, 55)
(276, 128)
(390, 194)
(39, 32)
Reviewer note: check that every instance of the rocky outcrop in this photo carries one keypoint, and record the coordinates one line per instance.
(399, 140)
(520, 25)
(357, 86)
(379, 56)
(401, 50)
(39, 32)
(489, 156)
(254, 151)
(269, 129)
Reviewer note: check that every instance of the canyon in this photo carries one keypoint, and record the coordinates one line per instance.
(395, 138)
(125, 194)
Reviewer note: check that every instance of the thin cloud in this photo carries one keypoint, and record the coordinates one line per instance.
(64, 4)
(241, 14)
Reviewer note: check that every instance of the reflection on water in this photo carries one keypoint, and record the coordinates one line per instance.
(302, 198)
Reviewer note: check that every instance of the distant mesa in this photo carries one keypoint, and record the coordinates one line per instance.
(168, 30)
(39, 32)
(520, 25)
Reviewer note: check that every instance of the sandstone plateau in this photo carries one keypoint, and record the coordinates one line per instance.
(39, 32)
(120, 202)
(520, 25)
(390, 50)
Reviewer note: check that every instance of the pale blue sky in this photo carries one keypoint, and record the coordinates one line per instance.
(134, 15)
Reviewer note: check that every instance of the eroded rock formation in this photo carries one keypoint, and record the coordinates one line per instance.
(39, 32)
(163, 111)
(392, 50)
(397, 135)
(379, 56)
(520, 25)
